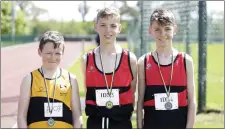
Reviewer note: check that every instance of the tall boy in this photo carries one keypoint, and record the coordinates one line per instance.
(110, 74)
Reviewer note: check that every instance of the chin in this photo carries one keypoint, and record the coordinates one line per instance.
(53, 66)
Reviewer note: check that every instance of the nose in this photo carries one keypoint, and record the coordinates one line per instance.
(162, 32)
(107, 28)
(53, 56)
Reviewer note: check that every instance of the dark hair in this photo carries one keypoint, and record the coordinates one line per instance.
(97, 40)
(163, 17)
(52, 36)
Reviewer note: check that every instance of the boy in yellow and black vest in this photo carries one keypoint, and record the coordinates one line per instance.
(49, 96)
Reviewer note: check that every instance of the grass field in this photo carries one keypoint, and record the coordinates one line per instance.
(4, 44)
(215, 83)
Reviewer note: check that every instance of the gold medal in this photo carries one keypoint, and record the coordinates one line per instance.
(109, 104)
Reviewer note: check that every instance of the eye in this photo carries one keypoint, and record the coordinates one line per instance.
(113, 26)
(102, 25)
(58, 53)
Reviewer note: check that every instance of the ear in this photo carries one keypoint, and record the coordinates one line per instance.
(120, 28)
(150, 30)
(39, 52)
(95, 27)
(175, 29)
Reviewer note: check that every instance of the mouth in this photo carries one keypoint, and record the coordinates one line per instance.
(162, 39)
(107, 36)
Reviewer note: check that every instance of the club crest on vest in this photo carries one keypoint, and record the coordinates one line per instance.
(148, 66)
(91, 69)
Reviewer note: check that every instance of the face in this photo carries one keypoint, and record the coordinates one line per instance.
(108, 28)
(163, 35)
(51, 58)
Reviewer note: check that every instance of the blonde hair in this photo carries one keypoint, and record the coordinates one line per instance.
(106, 12)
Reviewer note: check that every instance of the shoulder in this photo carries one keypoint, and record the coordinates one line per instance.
(72, 76)
(73, 80)
(142, 58)
(188, 58)
(132, 57)
(90, 52)
(27, 80)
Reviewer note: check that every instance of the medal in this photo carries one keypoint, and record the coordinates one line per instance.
(51, 122)
(109, 104)
(168, 105)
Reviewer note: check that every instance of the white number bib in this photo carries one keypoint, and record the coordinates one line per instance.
(57, 110)
(162, 101)
(102, 97)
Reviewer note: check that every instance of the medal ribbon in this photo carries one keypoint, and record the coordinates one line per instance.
(171, 75)
(114, 69)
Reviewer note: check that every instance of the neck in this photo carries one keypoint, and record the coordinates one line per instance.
(49, 73)
(109, 49)
(164, 50)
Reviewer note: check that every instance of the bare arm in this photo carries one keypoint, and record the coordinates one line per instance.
(24, 101)
(141, 91)
(76, 106)
(83, 70)
(191, 92)
(133, 64)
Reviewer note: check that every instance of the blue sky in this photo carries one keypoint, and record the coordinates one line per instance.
(58, 10)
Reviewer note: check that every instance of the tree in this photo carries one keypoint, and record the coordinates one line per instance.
(83, 9)
(128, 11)
(6, 17)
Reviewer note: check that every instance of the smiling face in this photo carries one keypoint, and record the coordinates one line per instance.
(108, 28)
(108, 25)
(163, 34)
(162, 26)
(51, 56)
(51, 49)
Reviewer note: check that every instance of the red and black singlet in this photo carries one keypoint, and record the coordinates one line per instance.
(122, 81)
(165, 118)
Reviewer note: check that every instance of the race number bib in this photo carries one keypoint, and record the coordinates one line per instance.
(102, 97)
(57, 110)
(162, 102)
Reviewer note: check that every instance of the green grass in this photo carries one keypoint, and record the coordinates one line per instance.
(215, 83)
(4, 44)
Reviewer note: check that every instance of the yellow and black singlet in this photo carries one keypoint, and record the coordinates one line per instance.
(36, 114)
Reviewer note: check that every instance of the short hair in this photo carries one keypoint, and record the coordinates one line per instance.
(52, 36)
(106, 12)
(163, 17)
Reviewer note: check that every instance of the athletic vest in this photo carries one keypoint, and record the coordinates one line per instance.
(122, 81)
(35, 116)
(154, 84)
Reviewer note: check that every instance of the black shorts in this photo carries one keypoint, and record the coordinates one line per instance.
(98, 122)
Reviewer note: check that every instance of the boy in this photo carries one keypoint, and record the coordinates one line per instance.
(110, 74)
(49, 95)
(166, 85)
